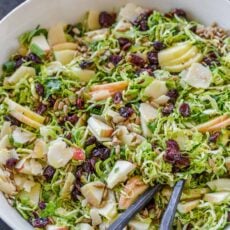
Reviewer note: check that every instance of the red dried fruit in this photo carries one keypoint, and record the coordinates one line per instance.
(126, 111)
(106, 19)
(48, 172)
(76, 191)
(173, 95)
(213, 138)
(117, 97)
(80, 103)
(168, 109)
(90, 141)
(39, 89)
(142, 21)
(40, 222)
(12, 120)
(137, 60)
(185, 110)
(73, 119)
(115, 59)
(153, 57)
(158, 45)
(42, 205)
(124, 43)
(86, 64)
(101, 153)
(41, 109)
(10, 163)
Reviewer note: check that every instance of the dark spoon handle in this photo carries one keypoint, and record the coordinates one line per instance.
(125, 217)
(169, 214)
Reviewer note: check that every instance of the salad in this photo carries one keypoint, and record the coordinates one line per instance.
(94, 113)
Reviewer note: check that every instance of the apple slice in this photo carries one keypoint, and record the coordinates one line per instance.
(17, 108)
(93, 20)
(217, 197)
(99, 128)
(21, 73)
(84, 75)
(109, 211)
(114, 116)
(93, 192)
(192, 52)
(180, 67)
(167, 55)
(56, 34)
(198, 76)
(64, 56)
(55, 227)
(205, 126)
(227, 163)
(22, 137)
(29, 167)
(133, 188)
(162, 100)
(119, 173)
(65, 46)
(84, 226)
(113, 87)
(41, 42)
(139, 225)
(190, 194)
(188, 206)
(222, 184)
(156, 89)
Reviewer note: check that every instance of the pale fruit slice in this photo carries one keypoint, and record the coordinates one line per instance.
(21, 73)
(114, 116)
(222, 125)
(66, 189)
(65, 46)
(55, 227)
(198, 76)
(227, 163)
(192, 52)
(34, 194)
(97, 35)
(95, 217)
(56, 34)
(119, 173)
(84, 75)
(167, 55)
(64, 56)
(84, 226)
(130, 12)
(139, 225)
(5, 129)
(6, 154)
(148, 113)
(156, 89)
(133, 189)
(29, 167)
(22, 137)
(113, 87)
(190, 194)
(6, 185)
(162, 100)
(41, 42)
(222, 184)
(180, 67)
(101, 95)
(217, 197)
(122, 26)
(93, 192)
(40, 149)
(205, 126)
(15, 107)
(188, 206)
(23, 183)
(93, 20)
(5, 142)
(109, 211)
(59, 154)
(99, 128)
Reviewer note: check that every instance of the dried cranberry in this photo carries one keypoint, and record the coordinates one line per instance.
(80, 103)
(152, 57)
(10, 163)
(228, 216)
(211, 59)
(173, 95)
(51, 101)
(106, 19)
(76, 191)
(124, 43)
(90, 141)
(73, 119)
(137, 60)
(126, 111)
(19, 60)
(39, 89)
(41, 109)
(178, 12)
(86, 64)
(101, 152)
(174, 156)
(115, 59)
(213, 138)
(79, 172)
(49, 172)
(158, 45)
(168, 109)
(12, 120)
(142, 21)
(185, 110)
(88, 166)
(117, 97)
(40, 222)
(34, 58)
(68, 136)
(42, 205)
(149, 70)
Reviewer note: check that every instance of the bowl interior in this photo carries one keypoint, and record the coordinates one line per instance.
(48, 12)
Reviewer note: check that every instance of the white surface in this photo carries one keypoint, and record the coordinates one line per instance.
(49, 12)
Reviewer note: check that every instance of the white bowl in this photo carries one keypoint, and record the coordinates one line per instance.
(48, 12)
